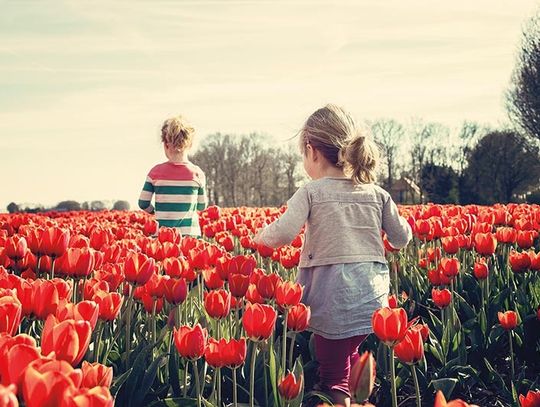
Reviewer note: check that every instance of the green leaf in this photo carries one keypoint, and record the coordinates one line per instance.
(445, 385)
(142, 389)
(119, 381)
(273, 372)
(175, 402)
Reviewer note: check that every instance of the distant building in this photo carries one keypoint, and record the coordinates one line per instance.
(405, 191)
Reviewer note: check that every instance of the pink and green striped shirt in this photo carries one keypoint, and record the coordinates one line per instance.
(180, 191)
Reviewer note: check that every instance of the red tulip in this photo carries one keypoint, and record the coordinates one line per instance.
(176, 267)
(15, 359)
(175, 291)
(519, 262)
(288, 293)
(44, 389)
(69, 339)
(234, 352)
(266, 285)
(508, 319)
(289, 387)
(191, 342)
(212, 280)
(449, 266)
(450, 244)
(390, 325)
(485, 243)
(362, 378)
(8, 396)
(138, 268)
(45, 298)
(99, 396)
(535, 260)
(259, 321)
(54, 241)
(96, 374)
(298, 318)
(238, 284)
(525, 238)
(506, 235)
(265, 251)
(75, 262)
(481, 270)
(82, 311)
(44, 365)
(532, 399)
(213, 353)
(10, 313)
(411, 348)
(109, 304)
(392, 301)
(253, 296)
(16, 247)
(441, 298)
(217, 303)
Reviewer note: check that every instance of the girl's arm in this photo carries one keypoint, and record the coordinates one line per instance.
(284, 229)
(398, 231)
(202, 199)
(146, 196)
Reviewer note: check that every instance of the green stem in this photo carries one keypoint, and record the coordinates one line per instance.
(284, 343)
(197, 382)
(291, 351)
(186, 368)
(97, 342)
(235, 390)
(128, 320)
(52, 267)
(511, 354)
(393, 377)
(252, 376)
(416, 387)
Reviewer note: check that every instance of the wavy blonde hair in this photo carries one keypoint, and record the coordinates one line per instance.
(335, 134)
(177, 133)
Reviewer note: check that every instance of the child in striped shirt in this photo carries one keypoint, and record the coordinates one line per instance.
(179, 185)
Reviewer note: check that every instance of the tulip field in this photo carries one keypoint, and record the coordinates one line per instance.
(105, 308)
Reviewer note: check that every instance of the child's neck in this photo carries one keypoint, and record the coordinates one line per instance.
(178, 157)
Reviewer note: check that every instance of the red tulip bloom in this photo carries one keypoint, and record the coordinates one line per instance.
(253, 296)
(288, 293)
(450, 266)
(82, 311)
(535, 260)
(289, 387)
(217, 303)
(138, 268)
(15, 359)
(485, 243)
(76, 262)
(441, 298)
(175, 291)
(532, 399)
(266, 285)
(508, 319)
(69, 339)
(390, 325)
(16, 247)
(44, 389)
(259, 321)
(54, 241)
(109, 304)
(44, 365)
(238, 284)
(234, 352)
(99, 396)
(481, 270)
(525, 238)
(191, 342)
(519, 262)
(10, 313)
(213, 354)
(411, 348)
(46, 298)
(362, 378)
(96, 374)
(392, 301)
(506, 235)
(298, 317)
(450, 244)
(212, 280)
(8, 396)
(176, 267)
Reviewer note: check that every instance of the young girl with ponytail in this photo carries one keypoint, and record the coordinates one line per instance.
(342, 265)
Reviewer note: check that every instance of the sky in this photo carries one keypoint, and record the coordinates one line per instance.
(85, 86)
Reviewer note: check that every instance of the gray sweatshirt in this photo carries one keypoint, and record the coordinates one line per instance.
(343, 223)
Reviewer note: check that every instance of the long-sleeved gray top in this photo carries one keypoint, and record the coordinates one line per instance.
(343, 223)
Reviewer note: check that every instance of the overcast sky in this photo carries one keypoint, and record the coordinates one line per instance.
(85, 86)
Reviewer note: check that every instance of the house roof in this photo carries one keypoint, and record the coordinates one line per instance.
(404, 184)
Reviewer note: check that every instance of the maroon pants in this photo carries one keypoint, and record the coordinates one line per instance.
(335, 357)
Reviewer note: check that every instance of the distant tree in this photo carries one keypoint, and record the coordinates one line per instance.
(440, 184)
(85, 206)
(68, 206)
(523, 97)
(388, 133)
(121, 206)
(13, 207)
(503, 164)
(97, 206)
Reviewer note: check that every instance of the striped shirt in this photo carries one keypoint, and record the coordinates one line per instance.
(180, 190)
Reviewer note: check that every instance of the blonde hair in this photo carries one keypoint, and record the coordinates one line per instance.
(334, 133)
(177, 133)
